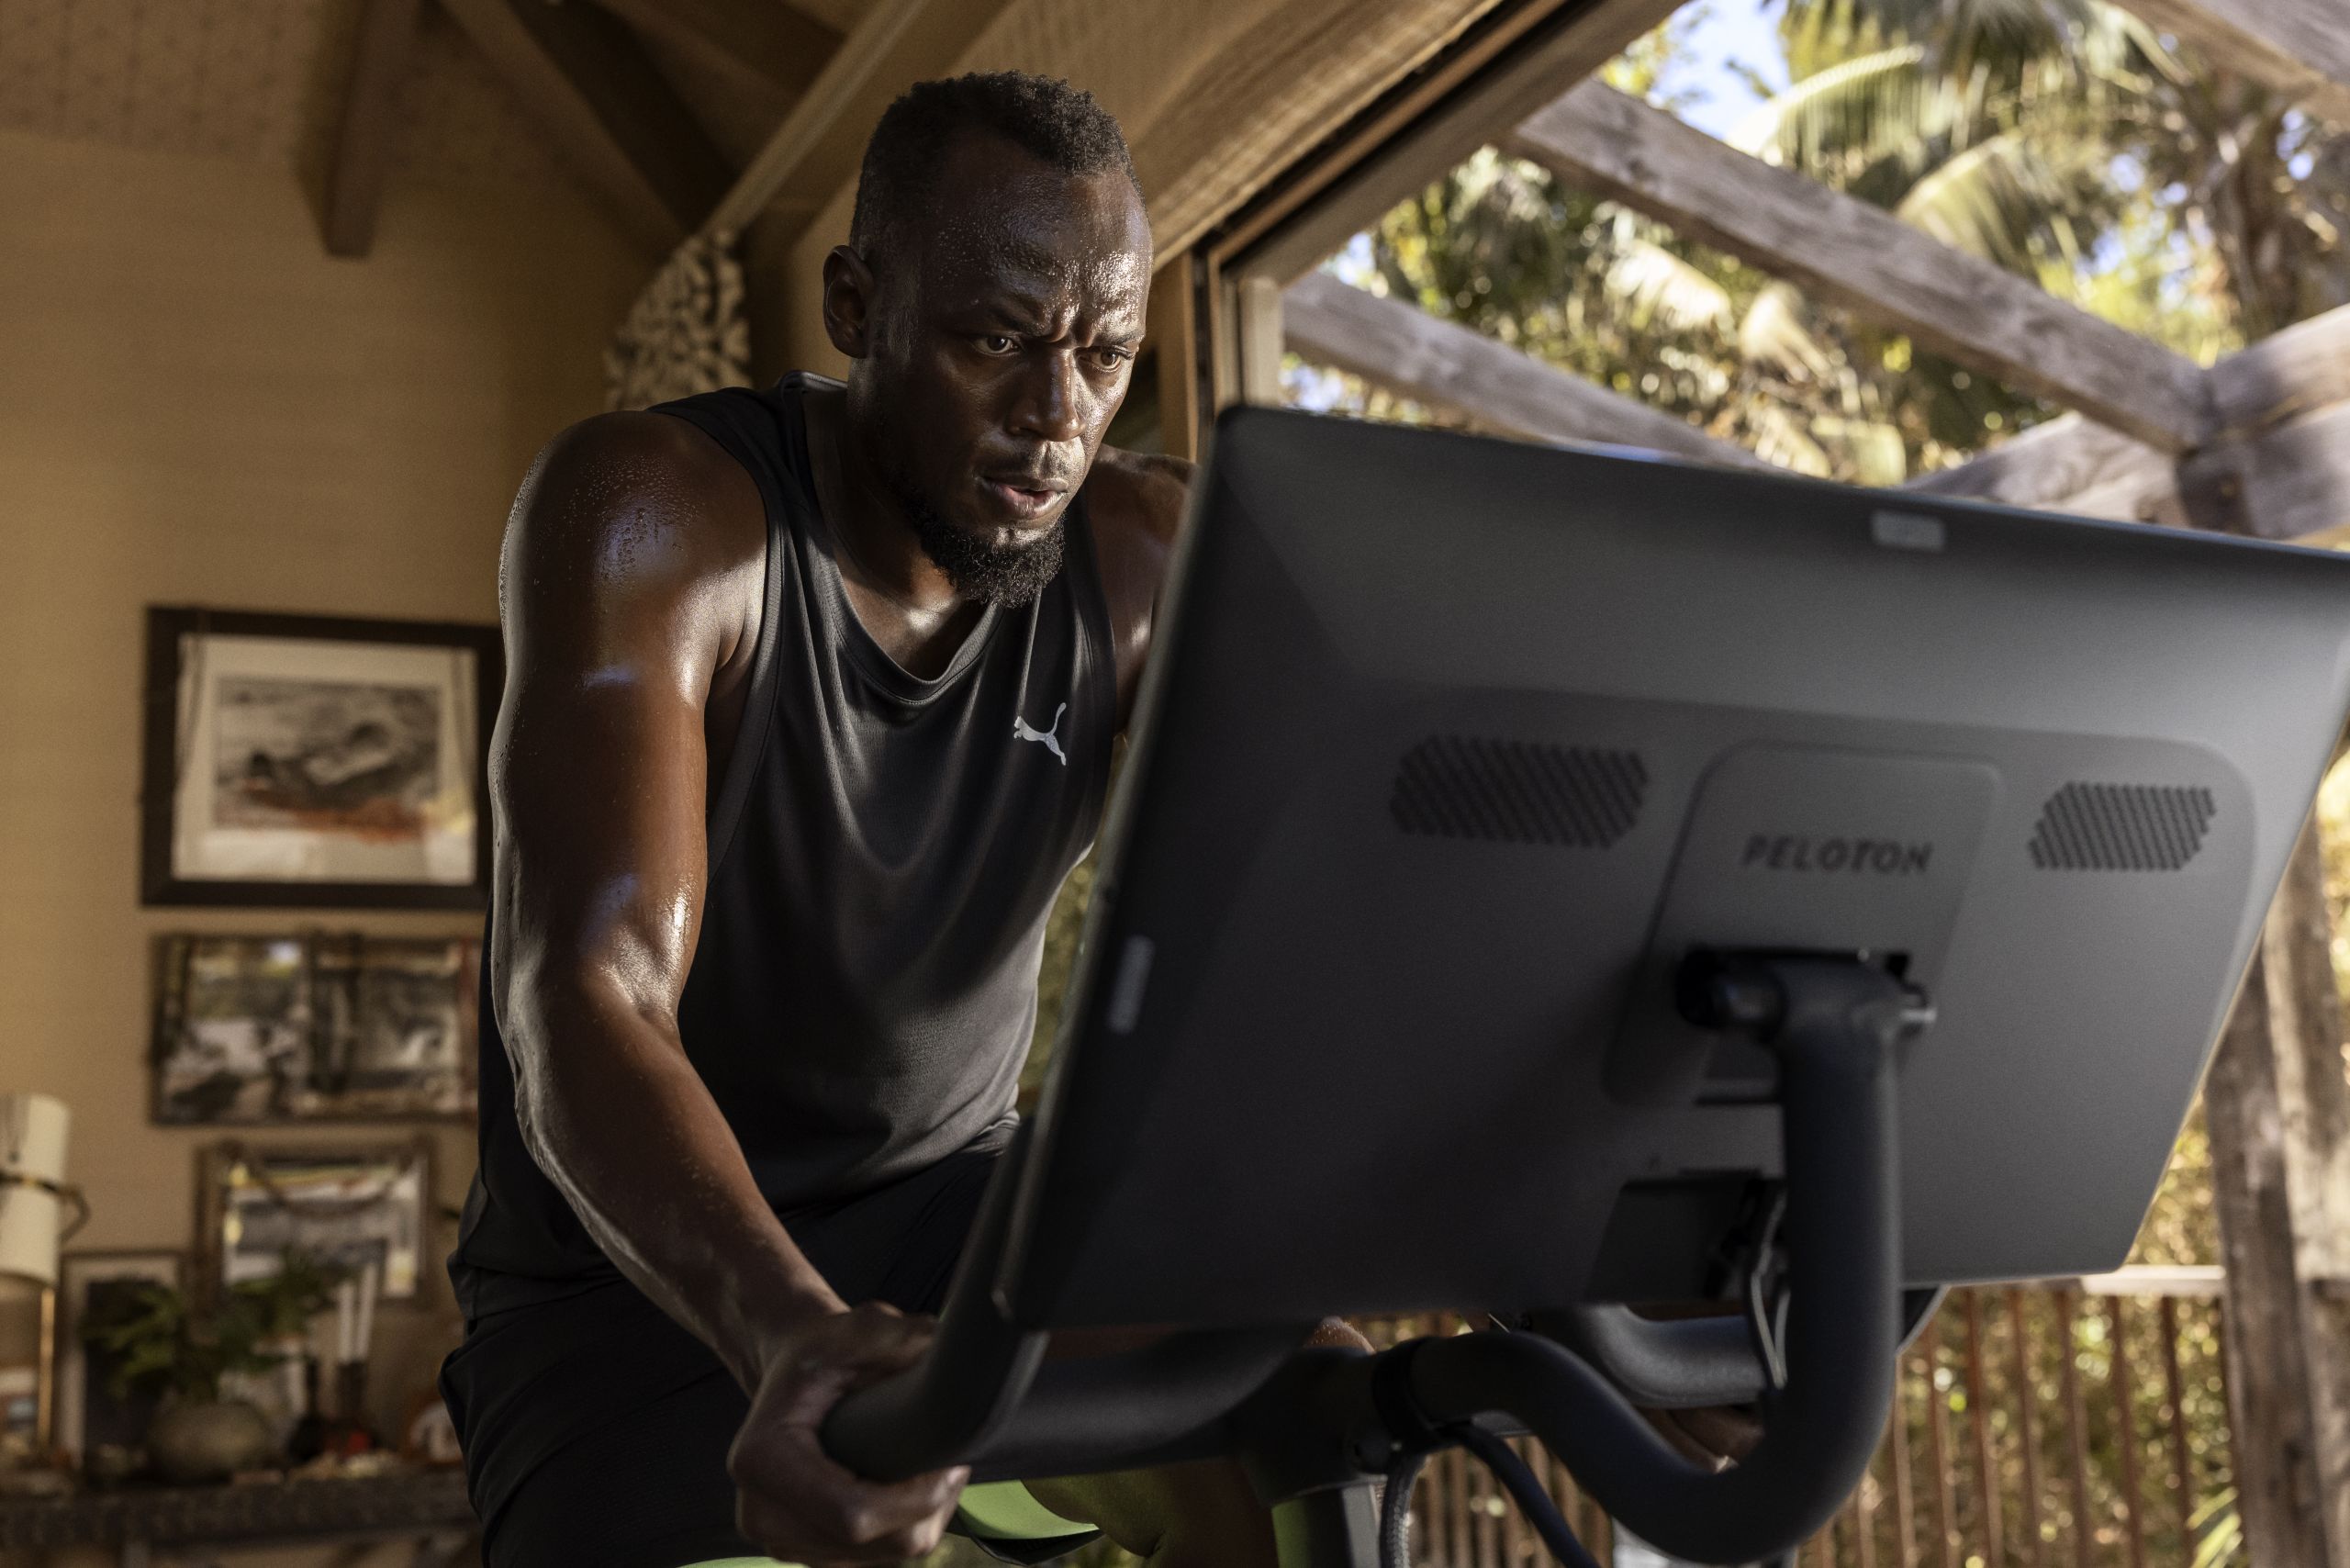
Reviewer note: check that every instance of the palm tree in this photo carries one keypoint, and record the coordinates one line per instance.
(2063, 138)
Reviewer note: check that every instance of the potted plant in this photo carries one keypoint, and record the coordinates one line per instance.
(160, 1342)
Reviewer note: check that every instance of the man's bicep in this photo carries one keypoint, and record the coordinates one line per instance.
(599, 762)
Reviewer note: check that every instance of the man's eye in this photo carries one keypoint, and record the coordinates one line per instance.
(996, 343)
(1109, 359)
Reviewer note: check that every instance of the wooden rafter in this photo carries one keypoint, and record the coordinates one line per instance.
(364, 144)
(2301, 48)
(614, 117)
(815, 151)
(764, 48)
(2068, 465)
(1840, 249)
(1404, 348)
(2294, 372)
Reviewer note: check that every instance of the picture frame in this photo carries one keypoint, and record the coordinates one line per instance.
(89, 1413)
(346, 1205)
(316, 1027)
(313, 761)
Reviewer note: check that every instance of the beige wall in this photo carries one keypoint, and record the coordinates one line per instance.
(199, 406)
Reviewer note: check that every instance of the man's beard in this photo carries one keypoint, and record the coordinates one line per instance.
(1009, 575)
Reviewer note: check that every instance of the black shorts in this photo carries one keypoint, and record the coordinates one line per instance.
(596, 1428)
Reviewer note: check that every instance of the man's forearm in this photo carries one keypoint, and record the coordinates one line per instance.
(618, 1120)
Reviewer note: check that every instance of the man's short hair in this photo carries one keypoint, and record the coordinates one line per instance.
(1047, 118)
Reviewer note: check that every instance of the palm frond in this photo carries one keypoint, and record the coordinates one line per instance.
(1959, 33)
(1988, 201)
(1658, 287)
(1773, 334)
(1855, 112)
(1781, 437)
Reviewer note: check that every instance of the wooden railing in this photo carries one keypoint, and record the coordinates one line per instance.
(2073, 1423)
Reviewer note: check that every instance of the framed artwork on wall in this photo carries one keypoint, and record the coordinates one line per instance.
(251, 1030)
(315, 761)
(90, 1413)
(346, 1205)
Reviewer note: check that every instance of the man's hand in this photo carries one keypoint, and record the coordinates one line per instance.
(791, 1499)
(1717, 1437)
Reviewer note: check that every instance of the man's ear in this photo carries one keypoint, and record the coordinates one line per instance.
(849, 302)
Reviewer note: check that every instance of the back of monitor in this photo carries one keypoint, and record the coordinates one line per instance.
(1458, 746)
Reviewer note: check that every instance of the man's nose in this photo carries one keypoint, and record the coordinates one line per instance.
(1051, 406)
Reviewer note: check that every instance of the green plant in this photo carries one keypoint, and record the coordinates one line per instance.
(160, 1342)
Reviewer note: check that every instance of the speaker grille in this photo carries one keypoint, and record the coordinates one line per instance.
(1518, 791)
(2121, 827)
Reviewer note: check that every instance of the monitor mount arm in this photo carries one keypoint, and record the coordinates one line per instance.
(1312, 1427)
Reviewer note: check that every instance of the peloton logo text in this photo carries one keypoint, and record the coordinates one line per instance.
(1864, 857)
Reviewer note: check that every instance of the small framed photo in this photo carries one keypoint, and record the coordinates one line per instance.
(346, 1206)
(258, 1029)
(315, 761)
(90, 1413)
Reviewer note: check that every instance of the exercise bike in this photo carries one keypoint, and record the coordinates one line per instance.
(1550, 881)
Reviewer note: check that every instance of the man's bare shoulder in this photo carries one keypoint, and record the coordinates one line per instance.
(1142, 492)
(1138, 506)
(627, 503)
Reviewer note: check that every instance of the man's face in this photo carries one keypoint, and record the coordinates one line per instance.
(1004, 328)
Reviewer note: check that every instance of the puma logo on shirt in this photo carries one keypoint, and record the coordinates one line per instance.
(1021, 731)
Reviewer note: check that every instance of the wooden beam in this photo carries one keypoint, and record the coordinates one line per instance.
(2301, 48)
(615, 119)
(1406, 350)
(1477, 108)
(362, 154)
(1840, 249)
(2068, 465)
(2289, 482)
(2275, 1104)
(816, 149)
(2287, 373)
(1174, 330)
(761, 45)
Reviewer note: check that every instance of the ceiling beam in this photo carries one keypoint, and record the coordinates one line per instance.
(764, 47)
(2301, 48)
(1840, 249)
(1407, 350)
(614, 118)
(816, 149)
(365, 143)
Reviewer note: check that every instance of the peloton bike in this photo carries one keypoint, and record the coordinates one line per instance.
(1549, 883)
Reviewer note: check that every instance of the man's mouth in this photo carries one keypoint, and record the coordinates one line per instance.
(1022, 496)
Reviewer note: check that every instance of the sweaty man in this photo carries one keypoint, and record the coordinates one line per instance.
(809, 705)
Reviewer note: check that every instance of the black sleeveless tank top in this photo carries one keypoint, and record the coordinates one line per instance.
(884, 850)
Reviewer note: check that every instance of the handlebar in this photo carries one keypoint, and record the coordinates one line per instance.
(984, 1395)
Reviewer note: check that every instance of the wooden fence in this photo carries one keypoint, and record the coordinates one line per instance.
(2080, 1424)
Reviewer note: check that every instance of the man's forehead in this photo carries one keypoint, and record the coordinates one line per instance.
(1014, 224)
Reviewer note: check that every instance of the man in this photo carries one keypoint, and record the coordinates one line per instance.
(809, 707)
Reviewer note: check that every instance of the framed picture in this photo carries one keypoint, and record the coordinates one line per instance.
(315, 761)
(346, 1206)
(252, 1030)
(90, 1414)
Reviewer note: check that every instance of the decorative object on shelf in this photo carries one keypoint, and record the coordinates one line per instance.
(685, 333)
(345, 1206)
(429, 1437)
(160, 1342)
(315, 761)
(38, 1214)
(313, 1028)
(99, 1428)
